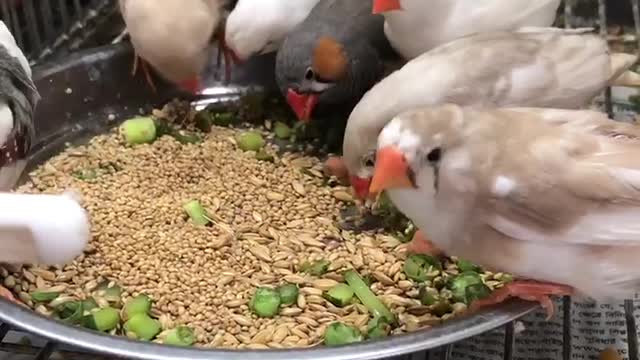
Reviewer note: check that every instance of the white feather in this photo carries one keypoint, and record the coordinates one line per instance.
(260, 26)
(423, 25)
(9, 42)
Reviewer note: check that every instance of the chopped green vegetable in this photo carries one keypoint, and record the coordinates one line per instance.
(89, 304)
(465, 265)
(105, 319)
(378, 328)
(85, 174)
(180, 336)
(367, 297)
(265, 302)
(139, 130)
(264, 156)
(506, 278)
(186, 138)
(288, 294)
(44, 296)
(224, 119)
(250, 141)
(339, 295)
(281, 130)
(428, 296)
(142, 327)
(459, 284)
(476, 292)
(196, 212)
(421, 267)
(316, 268)
(203, 120)
(368, 279)
(140, 304)
(338, 333)
(71, 312)
(110, 293)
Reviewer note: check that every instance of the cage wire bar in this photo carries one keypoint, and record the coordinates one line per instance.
(60, 26)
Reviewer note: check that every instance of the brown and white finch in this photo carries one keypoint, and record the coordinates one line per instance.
(545, 194)
(546, 67)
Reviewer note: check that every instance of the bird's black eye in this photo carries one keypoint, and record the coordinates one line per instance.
(309, 75)
(369, 163)
(370, 160)
(434, 155)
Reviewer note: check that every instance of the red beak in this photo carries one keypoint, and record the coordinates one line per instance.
(360, 187)
(381, 6)
(192, 85)
(302, 104)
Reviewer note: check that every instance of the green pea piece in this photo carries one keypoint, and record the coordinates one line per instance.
(421, 267)
(180, 336)
(196, 212)
(139, 130)
(44, 296)
(465, 265)
(316, 268)
(340, 295)
(428, 296)
(377, 328)
(250, 141)
(265, 302)
(140, 304)
(281, 130)
(105, 319)
(142, 327)
(71, 312)
(338, 333)
(288, 294)
(468, 286)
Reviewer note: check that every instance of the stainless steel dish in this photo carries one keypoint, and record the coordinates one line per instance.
(87, 94)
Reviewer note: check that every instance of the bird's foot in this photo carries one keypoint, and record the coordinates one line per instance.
(529, 290)
(421, 245)
(335, 166)
(228, 53)
(145, 70)
(5, 293)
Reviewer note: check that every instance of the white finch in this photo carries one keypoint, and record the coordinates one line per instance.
(174, 37)
(416, 26)
(544, 194)
(260, 26)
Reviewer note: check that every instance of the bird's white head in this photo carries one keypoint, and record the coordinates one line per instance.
(257, 27)
(412, 147)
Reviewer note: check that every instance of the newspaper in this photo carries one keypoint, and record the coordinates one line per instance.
(595, 327)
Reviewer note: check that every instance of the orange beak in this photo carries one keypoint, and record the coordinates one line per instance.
(391, 171)
(381, 6)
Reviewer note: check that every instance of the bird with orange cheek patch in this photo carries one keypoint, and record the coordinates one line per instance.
(175, 38)
(330, 60)
(549, 195)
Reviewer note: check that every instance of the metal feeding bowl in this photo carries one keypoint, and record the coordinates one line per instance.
(79, 97)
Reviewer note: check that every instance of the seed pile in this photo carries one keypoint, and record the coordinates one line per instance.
(271, 223)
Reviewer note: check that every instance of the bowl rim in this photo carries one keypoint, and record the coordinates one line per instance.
(448, 332)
